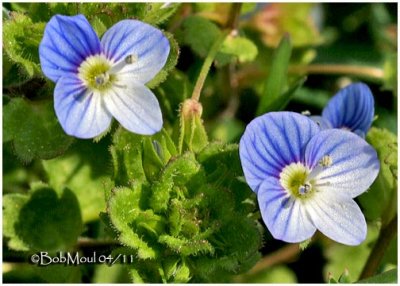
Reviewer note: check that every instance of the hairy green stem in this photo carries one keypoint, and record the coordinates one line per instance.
(230, 25)
(386, 234)
(206, 65)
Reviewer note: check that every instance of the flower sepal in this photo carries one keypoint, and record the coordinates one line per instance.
(193, 135)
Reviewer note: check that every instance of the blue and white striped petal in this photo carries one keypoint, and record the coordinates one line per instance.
(284, 216)
(340, 220)
(273, 141)
(135, 107)
(80, 111)
(147, 45)
(67, 42)
(354, 163)
(351, 108)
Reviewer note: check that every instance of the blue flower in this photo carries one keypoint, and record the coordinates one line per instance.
(352, 108)
(97, 80)
(305, 179)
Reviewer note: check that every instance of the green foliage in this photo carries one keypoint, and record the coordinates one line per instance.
(192, 135)
(172, 92)
(33, 129)
(244, 49)
(85, 173)
(338, 256)
(42, 220)
(280, 273)
(21, 44)
(184, 210)
(200, 34)
(277, 77)
(384, 188)
(157, 13)
(386, 277)
(169, 65)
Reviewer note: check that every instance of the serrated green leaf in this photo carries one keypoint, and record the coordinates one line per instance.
(21, 44)
(34, 129)
(126, 152)
(84, 169)
(157, 13)
(169, 65)
(181, 273)
(384, 189)
(123, 209)
(386, 277)
(186, 247)
(277, 76)
(44, 220)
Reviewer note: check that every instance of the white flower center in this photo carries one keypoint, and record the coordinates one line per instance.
(300, 181)
(99, 73)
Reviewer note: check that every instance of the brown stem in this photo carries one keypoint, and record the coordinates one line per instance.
(386, 234)
(363, 71)
(284, 254)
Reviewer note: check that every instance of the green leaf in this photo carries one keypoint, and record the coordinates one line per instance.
(169, 65)
(44, 220)
(126, 152)
(384, 189)
(106, 274)
(240, 47)
(277, 76)
(123, 209)
(390, 73)
(57, 273)
(84, 169)
(281, 102)
(186, 247)
(21, 44)
(12, 204)
(172, 93)
(158, 13)
(34, 130)
(386, 277)
(200, 34)
(175, 174)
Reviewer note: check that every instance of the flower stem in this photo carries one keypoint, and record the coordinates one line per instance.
(230, 25)
(206, 65)
(386, 234)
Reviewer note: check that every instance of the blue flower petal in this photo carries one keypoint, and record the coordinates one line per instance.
(273, 141)
(135, 107)
(340, 220)
(67, 41)
(147, 44)
(80, 112)
(283, 215)
(355, 164)
(322, 122)
(351, 108)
